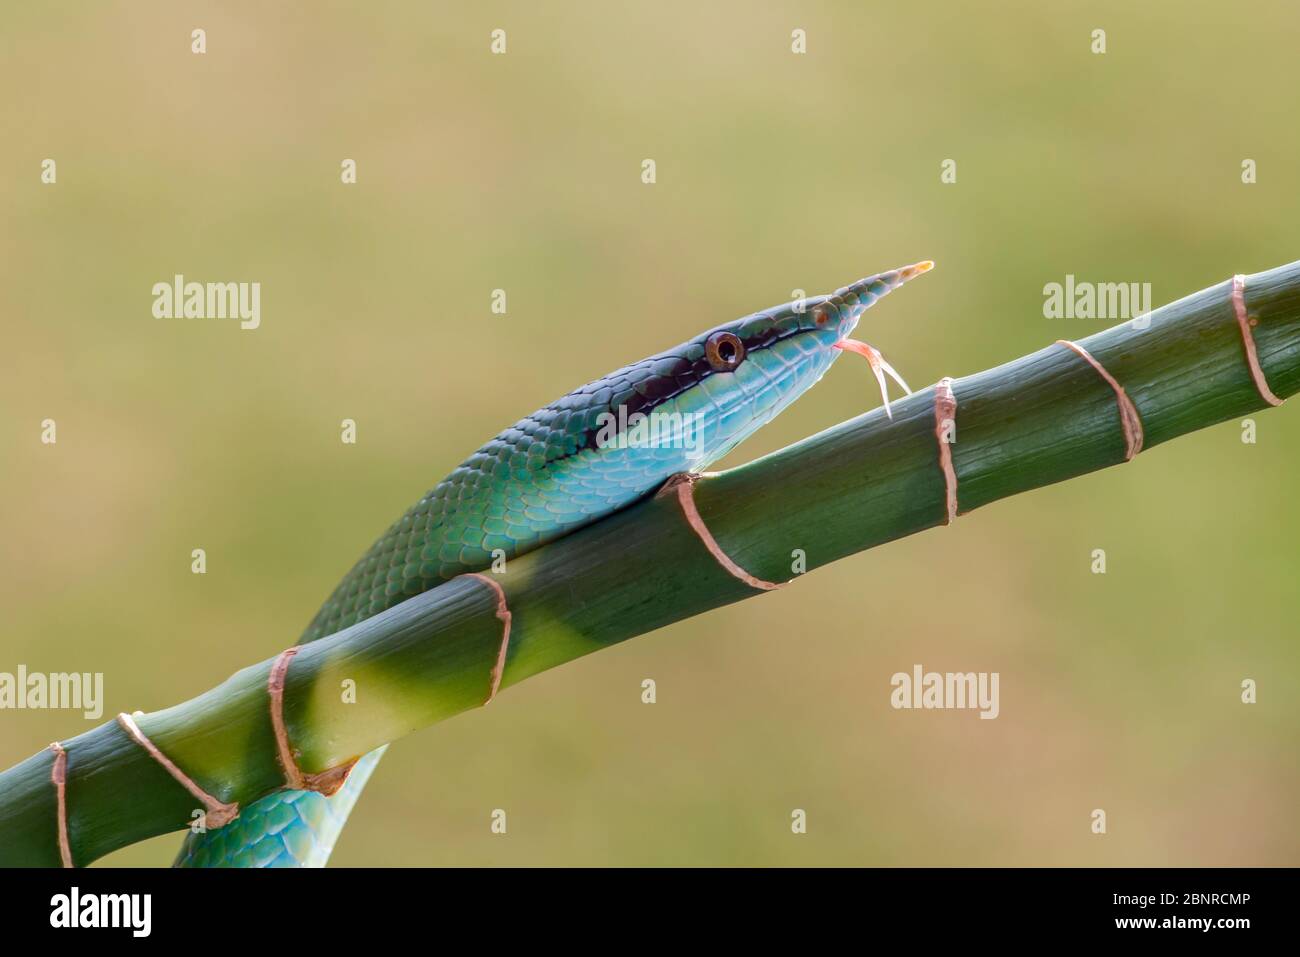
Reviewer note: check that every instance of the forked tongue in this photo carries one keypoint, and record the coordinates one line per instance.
(878, 366)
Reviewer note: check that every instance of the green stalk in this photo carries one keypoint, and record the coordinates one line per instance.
(1038, 420)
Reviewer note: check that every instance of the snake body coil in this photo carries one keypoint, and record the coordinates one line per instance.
(564, 466)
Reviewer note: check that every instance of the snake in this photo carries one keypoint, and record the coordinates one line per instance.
(569, 464)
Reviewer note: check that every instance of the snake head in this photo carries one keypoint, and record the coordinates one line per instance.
(745, 372)
(732, 378)
(819, 320)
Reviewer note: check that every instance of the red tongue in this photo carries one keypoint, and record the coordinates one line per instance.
(878, 366)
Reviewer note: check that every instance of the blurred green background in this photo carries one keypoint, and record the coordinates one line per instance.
(775, 172)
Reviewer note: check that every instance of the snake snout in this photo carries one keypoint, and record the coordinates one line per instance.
(856, 298)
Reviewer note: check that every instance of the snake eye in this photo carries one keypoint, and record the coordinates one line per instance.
(725, 351)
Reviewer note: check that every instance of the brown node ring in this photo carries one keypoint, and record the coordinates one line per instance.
(945, 413)
(503, 614)
(682, 485)
(325, 782)
(1245, 322)
(59, 777)
(219, 813)
(1129, 419)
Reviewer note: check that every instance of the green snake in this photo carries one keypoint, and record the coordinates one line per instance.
(563, 467)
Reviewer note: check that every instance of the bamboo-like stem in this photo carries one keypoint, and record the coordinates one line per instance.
(1038, 420)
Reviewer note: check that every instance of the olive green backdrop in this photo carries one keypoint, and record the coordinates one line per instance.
(775, 172)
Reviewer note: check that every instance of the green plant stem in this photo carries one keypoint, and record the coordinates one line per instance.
(1037, 420)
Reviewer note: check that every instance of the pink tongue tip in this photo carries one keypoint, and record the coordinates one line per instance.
(861, 348)
(879, 368)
